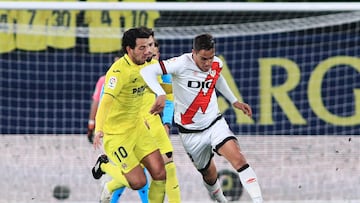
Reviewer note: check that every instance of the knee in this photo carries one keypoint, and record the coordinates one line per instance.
(159, 174)
(138, 184)
(238, 162)
(209, 175)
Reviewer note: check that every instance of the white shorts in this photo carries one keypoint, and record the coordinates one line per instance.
(201, 146)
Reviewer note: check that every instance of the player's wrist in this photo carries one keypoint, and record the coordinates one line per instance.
(91, 124)
(168, 125)
(99, 133)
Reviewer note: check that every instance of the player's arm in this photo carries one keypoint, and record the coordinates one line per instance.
(168, 112)
(103, 110)
(93, 108)
(225, 90)
(150, 73)
(114, 82)
(91, 121)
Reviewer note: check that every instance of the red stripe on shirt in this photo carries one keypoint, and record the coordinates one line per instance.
(163, 67)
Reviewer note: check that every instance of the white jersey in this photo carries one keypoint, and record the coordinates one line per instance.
(195, 100)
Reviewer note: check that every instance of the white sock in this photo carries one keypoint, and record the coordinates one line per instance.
(250, 183)
(216, 191)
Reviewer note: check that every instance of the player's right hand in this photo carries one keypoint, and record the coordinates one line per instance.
(159, 105)
(167, 129)
(97, 139)
(243, 107)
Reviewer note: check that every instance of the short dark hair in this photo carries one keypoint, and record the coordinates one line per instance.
(130, 36)
(203, 42)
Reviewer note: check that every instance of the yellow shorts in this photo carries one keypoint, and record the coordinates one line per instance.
(128, 148)
(159, 134)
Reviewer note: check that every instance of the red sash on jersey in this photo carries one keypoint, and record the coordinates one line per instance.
(202, 100)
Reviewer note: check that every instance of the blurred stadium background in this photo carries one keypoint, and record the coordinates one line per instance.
(299, 70)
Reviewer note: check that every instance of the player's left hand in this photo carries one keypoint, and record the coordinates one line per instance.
(159, 105)
(97, 139)
(243, 107)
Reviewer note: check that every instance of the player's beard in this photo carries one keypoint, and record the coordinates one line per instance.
(148, 59)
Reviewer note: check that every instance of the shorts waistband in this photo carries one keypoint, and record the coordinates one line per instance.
(184, 130)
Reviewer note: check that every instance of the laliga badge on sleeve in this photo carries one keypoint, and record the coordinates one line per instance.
(112, 82)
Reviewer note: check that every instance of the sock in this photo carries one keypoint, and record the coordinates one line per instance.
(172, 184)
(115, 173)
(157, 191)
(250, 183)
(216, 191)
(113, 185)
(105, 194)
(117, 194)
(144, 193)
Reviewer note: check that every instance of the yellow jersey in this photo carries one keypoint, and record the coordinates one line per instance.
(62, 28)
(136, 18)
(7, 39)
(124, 82)
(31, 29)
(104, 30)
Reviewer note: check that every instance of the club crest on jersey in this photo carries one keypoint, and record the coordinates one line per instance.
(171, 59)
(112, 82)
(213, 73)
(124, 166)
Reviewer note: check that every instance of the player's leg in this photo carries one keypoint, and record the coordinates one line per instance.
(113, 190)
(172, 182)
(105, 195)
(144, 191)
(199, 149)
(155, 165)
(103, 166)
(211, 182)
(148, 152)
(126, 169)
(166, 149)
(117, 194)
(230, 149)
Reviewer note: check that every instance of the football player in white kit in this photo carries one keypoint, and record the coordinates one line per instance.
(202, 128)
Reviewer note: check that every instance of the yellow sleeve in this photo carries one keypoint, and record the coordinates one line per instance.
(103, 111)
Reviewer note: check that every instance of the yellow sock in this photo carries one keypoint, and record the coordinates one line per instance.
(115, 173)
(112, 185)
(172, 184)
(157, 191)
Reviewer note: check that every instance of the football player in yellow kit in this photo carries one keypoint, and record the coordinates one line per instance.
(127, 141)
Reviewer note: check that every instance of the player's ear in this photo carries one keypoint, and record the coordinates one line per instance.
(193, 51)
(128, 49)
